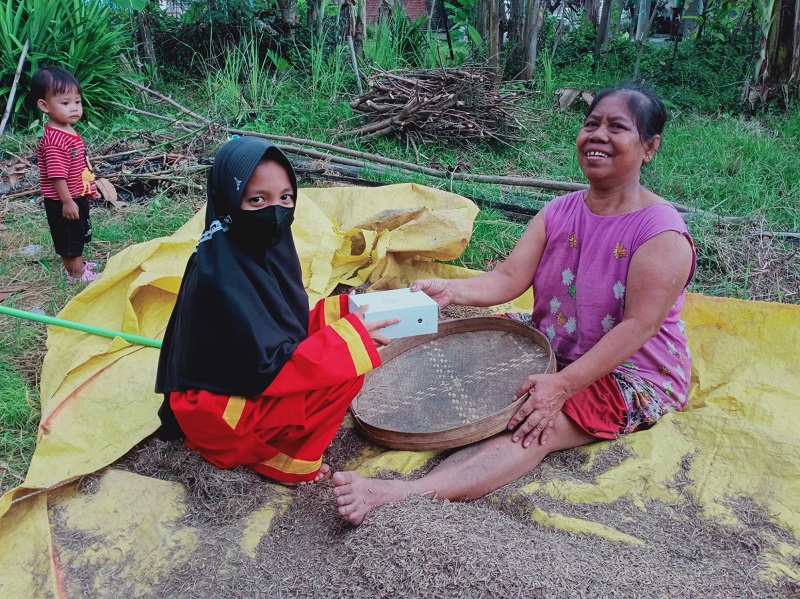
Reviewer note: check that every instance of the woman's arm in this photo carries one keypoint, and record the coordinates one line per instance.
(506, 282)
(657, 274)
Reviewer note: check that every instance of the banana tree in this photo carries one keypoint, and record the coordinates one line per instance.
(777, 65)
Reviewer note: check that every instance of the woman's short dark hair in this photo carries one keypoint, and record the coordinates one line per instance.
(648, 111)
(51, 81)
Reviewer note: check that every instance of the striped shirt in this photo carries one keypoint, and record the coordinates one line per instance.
(62, 155)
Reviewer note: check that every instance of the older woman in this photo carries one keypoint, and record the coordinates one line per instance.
(609, 267)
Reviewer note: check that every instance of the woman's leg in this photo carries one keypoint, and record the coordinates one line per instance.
(470, 473)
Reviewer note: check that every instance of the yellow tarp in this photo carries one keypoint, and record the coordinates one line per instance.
(741, 429)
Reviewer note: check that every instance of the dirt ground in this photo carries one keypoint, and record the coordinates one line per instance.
(424, 548)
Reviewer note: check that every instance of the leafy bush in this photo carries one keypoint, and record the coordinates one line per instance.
(240, 84)
(83, 36)
(699, 75)
(399, 42)
(206, 30)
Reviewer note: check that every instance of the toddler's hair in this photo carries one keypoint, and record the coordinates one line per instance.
(51, 81)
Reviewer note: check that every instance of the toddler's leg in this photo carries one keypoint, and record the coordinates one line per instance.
(73, 266)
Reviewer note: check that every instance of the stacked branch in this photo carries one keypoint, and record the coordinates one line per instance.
(455, 105)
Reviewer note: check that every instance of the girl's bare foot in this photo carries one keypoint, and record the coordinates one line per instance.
(357, 496)
(322, 475)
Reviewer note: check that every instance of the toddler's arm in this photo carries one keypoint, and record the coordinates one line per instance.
(69, 209)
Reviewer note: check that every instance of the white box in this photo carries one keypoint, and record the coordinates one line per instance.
(419, 313)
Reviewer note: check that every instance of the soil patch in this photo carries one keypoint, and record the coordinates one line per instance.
(487, 548)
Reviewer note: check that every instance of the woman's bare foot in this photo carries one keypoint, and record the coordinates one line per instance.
(357, 495)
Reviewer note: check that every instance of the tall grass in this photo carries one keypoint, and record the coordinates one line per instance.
(19, 417)
(330, 69)
(399, 43)
(241, 82)
(732, 166)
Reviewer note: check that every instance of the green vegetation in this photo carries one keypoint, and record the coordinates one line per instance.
(19, 417)
(92, 54)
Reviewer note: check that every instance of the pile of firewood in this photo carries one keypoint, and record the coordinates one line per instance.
(446, 104)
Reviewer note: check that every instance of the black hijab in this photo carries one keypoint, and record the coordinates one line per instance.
(241, 309)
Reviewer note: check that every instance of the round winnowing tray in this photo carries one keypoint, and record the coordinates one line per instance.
(451, 388)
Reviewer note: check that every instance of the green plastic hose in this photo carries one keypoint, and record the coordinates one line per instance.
(78, 326)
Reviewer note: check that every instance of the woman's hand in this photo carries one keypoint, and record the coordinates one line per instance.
(537, 416)
(374, 327)
(439, 290)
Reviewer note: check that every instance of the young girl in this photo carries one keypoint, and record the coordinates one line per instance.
(249, 375)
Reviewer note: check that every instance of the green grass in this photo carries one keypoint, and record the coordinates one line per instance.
(19, 417)
(733, 166)
(493, 238)
(160, 216)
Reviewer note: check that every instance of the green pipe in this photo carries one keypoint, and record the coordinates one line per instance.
(78, 326)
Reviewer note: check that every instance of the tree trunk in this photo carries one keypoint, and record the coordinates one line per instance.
(290, 18)
(493, 23)
(361, 27)
(589, 11)
(446, 26)
(601, 39)
(675, 29)
(557, 38)
(147, 42)
(618, 19)
(532, 37)
(315, 17)
(516, 23)
(707, 4)
(482, 19)
(649, 18)
(778, 63)
(641, 19)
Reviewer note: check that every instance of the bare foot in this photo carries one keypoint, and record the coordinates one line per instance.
(322, 475)
(357, 495)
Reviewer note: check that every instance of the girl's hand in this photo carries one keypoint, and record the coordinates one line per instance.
(439, 290)
(537, 416)
(374, 327)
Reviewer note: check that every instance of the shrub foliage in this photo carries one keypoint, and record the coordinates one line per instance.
(83, 36)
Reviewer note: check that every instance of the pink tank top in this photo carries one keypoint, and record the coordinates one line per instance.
(580, 296)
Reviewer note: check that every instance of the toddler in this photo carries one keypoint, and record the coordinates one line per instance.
(65, 174)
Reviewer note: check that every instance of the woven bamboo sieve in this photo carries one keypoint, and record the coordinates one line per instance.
(451, 388)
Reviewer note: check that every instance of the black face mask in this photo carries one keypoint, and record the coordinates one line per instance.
(261, 229)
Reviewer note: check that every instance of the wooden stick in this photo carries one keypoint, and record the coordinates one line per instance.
(13, 91)
(367, 157)
(364, 158)
(446, 28)
(355, 64)
(355, 166)
(166, 99)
